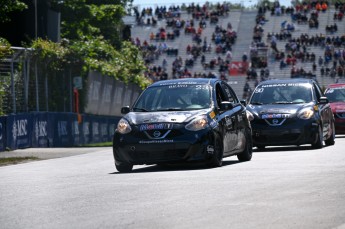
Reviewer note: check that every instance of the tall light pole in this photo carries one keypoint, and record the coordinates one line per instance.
(36, 73)
(35, 19)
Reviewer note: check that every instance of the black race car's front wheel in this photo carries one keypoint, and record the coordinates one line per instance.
(216, 159)
(246, 154)
(319, 139)
(123, 167)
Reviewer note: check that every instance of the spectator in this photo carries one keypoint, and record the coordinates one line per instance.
(322, 71)
(244, 57)
(228, 55)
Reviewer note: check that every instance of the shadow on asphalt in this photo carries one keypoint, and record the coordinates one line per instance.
(288, 148)
(282, 148)
(202, 166)
(177, 167)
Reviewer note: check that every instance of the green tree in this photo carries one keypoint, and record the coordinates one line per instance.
(8, 6)
(93, 31)
(92, 18)
(5, 48)
(91, 40)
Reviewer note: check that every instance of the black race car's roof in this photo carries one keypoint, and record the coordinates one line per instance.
(209, 81)
(282, 81)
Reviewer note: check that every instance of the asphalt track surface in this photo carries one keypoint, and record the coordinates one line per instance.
(282, 187)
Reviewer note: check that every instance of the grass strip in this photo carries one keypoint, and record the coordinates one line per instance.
(100, 144)
(16, 160)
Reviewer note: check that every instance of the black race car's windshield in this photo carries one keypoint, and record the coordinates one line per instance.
(282, 93)
(335, 94)
(175, 97)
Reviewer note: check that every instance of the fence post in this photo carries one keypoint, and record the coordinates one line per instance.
(37, 99)
(12, 88)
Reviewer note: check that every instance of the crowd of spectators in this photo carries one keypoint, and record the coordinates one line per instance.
(297, 54)
(220, 43)
(297, 49)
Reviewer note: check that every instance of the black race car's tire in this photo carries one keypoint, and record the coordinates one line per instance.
(216, 159)
(123, 167)
(261, 147)
(330, 141)
(162, 165)
(319, 139)
(247, 153)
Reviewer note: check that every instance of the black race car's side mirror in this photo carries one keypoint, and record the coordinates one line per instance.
(226, 105)
(125, 110)
(323, 100)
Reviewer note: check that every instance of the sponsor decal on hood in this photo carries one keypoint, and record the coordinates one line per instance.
(277, 110)
(162, 117)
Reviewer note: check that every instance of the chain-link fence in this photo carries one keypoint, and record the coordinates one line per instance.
(28, 85)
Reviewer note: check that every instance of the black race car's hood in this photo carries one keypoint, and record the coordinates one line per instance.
(163, 117)
(289, 109)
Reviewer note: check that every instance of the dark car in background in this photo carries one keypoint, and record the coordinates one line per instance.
(290, 112)
(183, 120)
(336, 96)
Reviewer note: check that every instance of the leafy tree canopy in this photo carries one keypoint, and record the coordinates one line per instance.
(5, 48)
(8, 6)
(91, 39)
(92, 29)
(94, 18)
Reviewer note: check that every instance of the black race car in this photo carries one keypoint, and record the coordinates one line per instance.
(290, 112)
(183, 120)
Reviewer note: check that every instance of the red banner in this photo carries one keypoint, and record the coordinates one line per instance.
(238, 68)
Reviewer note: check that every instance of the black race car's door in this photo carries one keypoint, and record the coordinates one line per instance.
(228, 118)
(324, 109)
(238, 115)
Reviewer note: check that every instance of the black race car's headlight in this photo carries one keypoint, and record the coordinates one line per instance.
(306, 113)
(198, 123)
(123, 126)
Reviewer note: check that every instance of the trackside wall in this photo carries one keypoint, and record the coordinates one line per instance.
(49, 129)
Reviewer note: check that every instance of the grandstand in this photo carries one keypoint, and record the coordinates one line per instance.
(205, 40)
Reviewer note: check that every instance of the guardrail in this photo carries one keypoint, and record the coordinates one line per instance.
(50, 129)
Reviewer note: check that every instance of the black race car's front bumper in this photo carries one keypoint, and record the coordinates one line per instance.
(192, 146)
(293, 131)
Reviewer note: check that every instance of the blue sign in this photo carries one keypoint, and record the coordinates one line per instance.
(95, 130)
(40, 137)
(62, 129)
(2, 133)
(86, 129)
(19, 130)
(49, 129)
